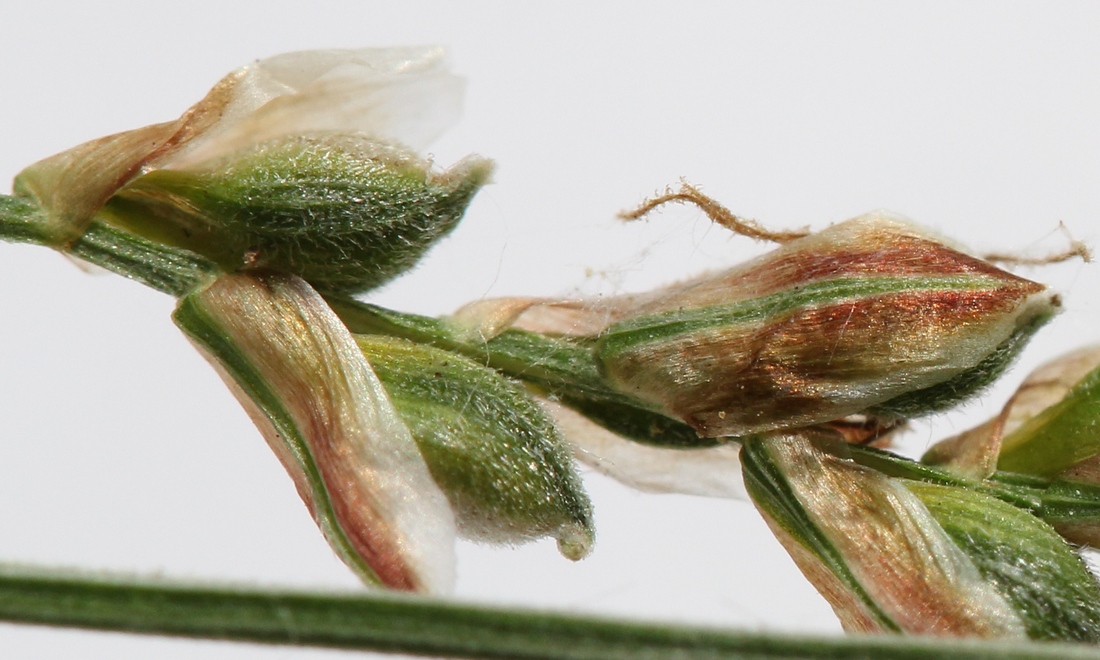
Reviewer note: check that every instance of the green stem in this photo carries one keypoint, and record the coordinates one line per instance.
(172, 270)
(1055, 501)
(22, 221)
(1019, 490)
(550, 362)
(396, 624)
(563, 367)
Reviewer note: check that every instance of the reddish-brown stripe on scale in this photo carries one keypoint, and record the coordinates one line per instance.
(816, 337)
(743, 376)
(907, 255)
(366, 530)
(899, 256)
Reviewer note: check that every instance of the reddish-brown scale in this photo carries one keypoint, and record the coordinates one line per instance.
(786, 369)
(821, 337)
(909, 255)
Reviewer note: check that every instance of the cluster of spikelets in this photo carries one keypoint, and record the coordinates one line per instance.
(293, 186)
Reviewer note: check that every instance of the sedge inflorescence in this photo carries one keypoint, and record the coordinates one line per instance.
(296, 184)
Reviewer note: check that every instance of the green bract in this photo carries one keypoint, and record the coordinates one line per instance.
(1061, 436)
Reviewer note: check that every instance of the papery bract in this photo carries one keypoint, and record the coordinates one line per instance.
(892, 555)
(304, 381)
(709, 471)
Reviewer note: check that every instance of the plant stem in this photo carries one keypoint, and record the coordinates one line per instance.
(1019, 490)
(171, 270)
(21, 221)
(390, 623)
(174, 271)
(563, 367)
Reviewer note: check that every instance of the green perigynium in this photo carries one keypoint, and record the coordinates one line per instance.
(563, 367)
(344, 213)
(1048, 427)
(298, 163)
(376, 431)
(1045, 581)
(496, 454)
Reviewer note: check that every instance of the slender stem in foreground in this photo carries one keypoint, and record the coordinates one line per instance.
(389, 623)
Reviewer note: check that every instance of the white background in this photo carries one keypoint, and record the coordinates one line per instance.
(120, 449)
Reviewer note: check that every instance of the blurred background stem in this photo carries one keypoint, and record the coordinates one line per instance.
(389, 623)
